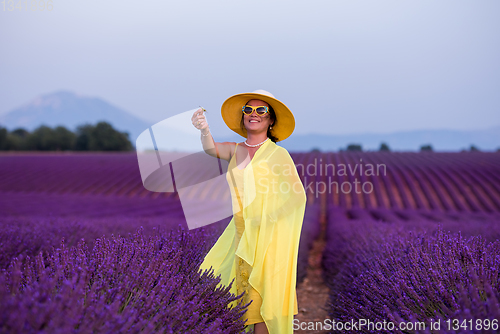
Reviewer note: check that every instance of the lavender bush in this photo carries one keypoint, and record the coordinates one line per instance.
(391, 274)
(132, 285)
(29, 236)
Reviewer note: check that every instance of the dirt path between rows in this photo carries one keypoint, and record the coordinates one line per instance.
(312, 293)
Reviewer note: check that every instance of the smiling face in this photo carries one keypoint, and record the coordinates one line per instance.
(255, 123)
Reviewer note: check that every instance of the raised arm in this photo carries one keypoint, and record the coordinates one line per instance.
(218, 150)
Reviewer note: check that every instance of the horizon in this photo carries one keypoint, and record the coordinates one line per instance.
(64, 91)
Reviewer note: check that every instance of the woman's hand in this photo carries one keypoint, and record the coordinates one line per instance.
(199, 121)
(217, 150)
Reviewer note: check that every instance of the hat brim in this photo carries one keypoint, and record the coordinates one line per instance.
(231, 114)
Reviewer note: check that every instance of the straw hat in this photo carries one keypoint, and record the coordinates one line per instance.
(231, 113)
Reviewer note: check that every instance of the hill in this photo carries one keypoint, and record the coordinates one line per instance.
(70, 110)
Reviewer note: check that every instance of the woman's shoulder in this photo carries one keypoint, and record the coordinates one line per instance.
(232, 147)
(225, 149)
(228, 143)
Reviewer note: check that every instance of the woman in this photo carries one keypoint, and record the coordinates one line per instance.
(259, 247)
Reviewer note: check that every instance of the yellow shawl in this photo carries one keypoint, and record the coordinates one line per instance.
(273, 210)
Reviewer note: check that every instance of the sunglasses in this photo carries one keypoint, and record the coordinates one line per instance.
(260, 110)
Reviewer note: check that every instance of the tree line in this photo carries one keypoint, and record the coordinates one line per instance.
(385, 148)
(87, 137)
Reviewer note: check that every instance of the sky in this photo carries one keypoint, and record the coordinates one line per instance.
(342, 67)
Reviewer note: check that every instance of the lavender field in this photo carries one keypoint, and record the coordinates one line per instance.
(84, 247)
(422, 247)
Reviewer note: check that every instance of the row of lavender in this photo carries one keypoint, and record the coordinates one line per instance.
(413, 270)
(135, 284)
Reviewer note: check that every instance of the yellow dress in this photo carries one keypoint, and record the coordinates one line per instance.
(243, 269)
(259, 247)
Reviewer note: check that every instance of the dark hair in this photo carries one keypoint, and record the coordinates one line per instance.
(272, 115)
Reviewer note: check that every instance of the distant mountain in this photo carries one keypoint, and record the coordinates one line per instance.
(440, 140)
(70, 110)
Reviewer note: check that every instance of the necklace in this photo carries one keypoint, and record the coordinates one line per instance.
(247, 144)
